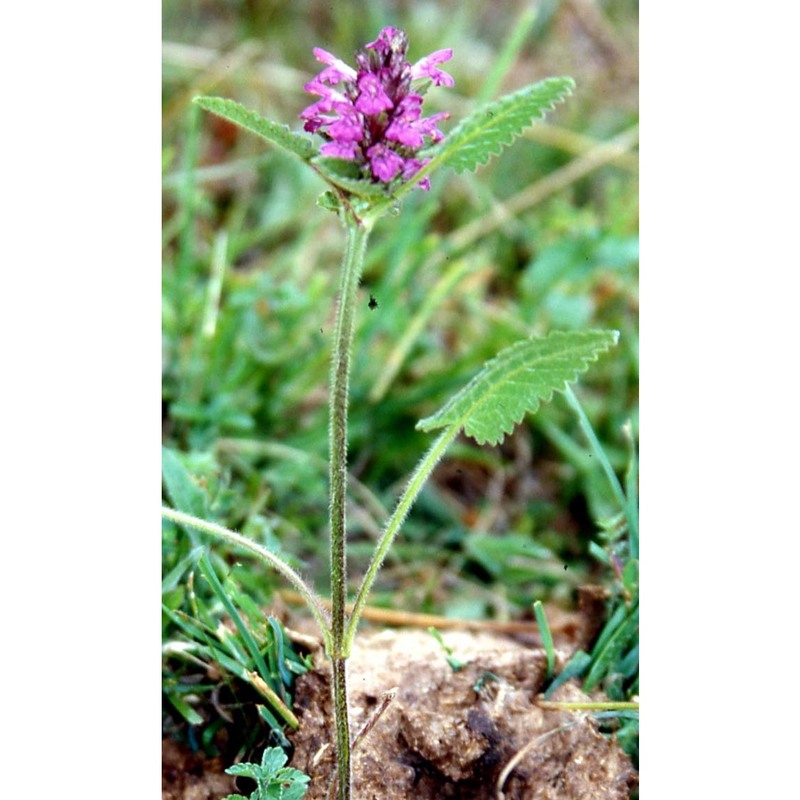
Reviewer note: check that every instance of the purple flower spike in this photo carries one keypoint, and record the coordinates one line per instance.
(376, 119)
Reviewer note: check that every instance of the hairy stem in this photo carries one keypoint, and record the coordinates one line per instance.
(413, 488)
(341, 781)
(352, 264)
(274, 561)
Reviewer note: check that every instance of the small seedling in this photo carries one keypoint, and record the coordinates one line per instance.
(483, 678)
(547, 637)
(455, 663)
(274, 781)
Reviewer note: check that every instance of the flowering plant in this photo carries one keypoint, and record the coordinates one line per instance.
(377, 146)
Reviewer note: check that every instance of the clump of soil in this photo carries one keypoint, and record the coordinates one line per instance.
(476, 733)
(191, 776)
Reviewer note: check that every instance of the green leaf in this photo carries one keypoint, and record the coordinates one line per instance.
(630, 577)
(272, 760)
(496, 553)
(297, 783)
(300, 146)
(280, 658)
(610, 645)
(492, 127)
(516, 381)
(276, 731)
(245, 770)
(576, 666)
(547, 636)
(345, 175)
(184, 494)
(209, 573)
(184, 709)
(275, 782)
(172, 580)
(328, 200)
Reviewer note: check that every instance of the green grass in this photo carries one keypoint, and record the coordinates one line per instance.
(544, 237)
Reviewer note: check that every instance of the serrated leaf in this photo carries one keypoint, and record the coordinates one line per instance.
(298, 784)
(245, 770)
(489, 129)
(300, 146)
(272, 760)
(516, 381)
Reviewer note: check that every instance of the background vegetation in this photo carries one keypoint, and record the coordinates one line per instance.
(543, 238)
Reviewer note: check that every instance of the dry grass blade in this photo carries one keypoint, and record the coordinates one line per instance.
(520, 754)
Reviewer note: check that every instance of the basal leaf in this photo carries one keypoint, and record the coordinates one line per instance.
(517, 380)
(299, 146)
(492, 127)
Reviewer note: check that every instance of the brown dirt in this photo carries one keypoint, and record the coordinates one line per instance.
(189, 776)
(442, 738)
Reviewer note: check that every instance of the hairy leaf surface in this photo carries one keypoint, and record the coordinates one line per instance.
(492, 127)
(517, 380)
(300, 146)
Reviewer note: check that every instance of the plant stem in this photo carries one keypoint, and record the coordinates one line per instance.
(415, 484)
(274, 561)
(342, 722)
(352, 264)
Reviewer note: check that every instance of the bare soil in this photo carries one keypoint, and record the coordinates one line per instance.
(190, 776)
(474, 733)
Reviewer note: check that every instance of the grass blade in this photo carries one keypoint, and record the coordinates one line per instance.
(547, 637)
(210, 575)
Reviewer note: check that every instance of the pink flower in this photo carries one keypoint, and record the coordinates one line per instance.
(384, 163)
(372, 99)
(376, 120)
(426, 68)
(336, 65)
(412, 167)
